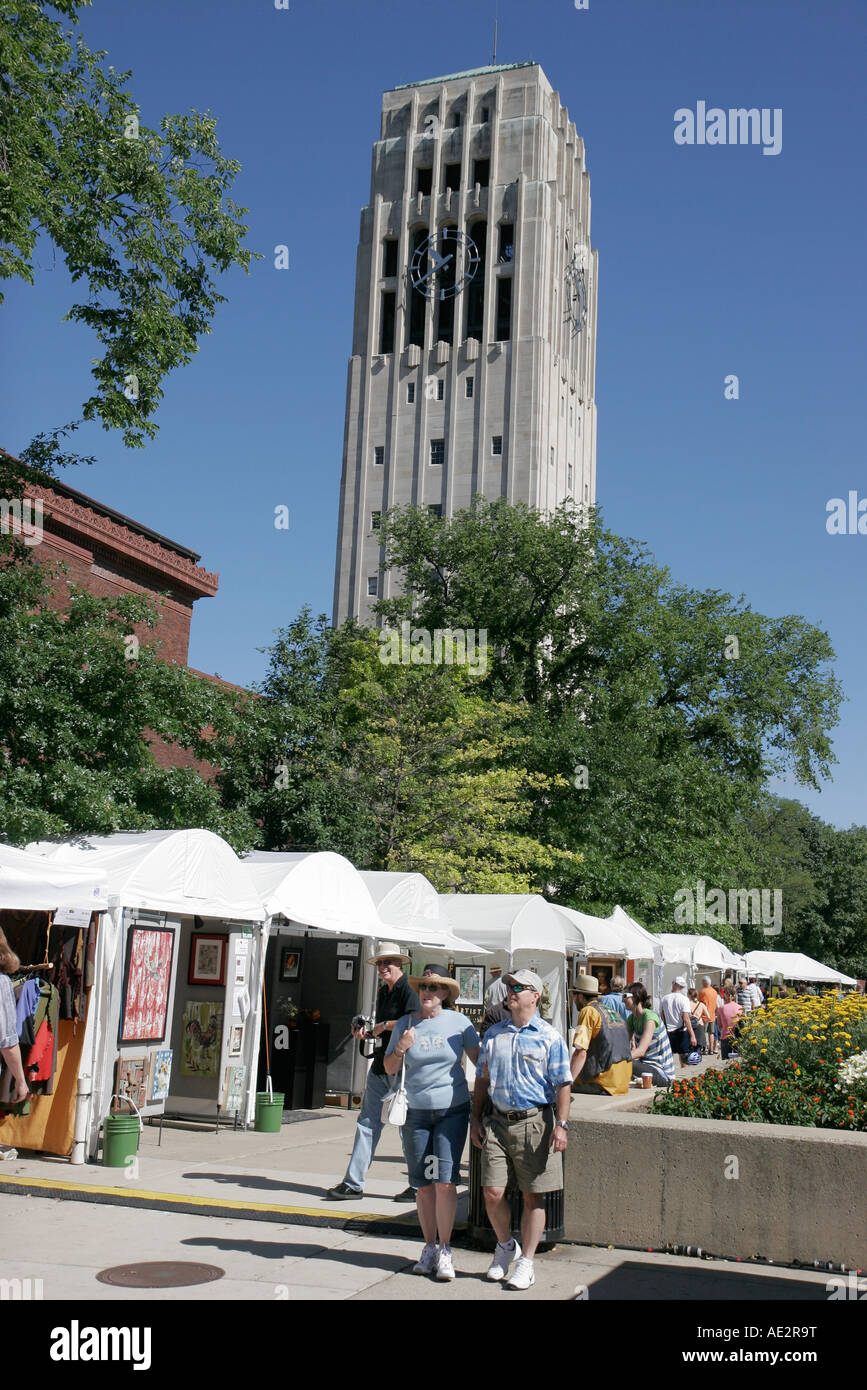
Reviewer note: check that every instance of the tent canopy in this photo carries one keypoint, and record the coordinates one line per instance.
(793, 965)
(506, 921)
(190, 872)
(697, 951)
(617, 935)
(33, 883)
(321, 890)
(409, 905)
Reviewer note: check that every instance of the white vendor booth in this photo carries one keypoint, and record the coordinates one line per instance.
(178, 969)
(607, 946)
(47, 909)
(794, 966)
(694, 956)
(522, 931)
(324, 923)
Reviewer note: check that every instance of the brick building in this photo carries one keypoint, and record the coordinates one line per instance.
(108, 554)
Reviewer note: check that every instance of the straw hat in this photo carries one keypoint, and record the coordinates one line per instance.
(585, 984)
(444, 981)
(387, 949)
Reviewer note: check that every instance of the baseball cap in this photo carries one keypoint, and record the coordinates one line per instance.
(681, 980)
(525, 977)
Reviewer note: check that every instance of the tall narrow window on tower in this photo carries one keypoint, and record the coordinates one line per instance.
(476, 292)
(437, 452)
(447, 248)
(389, 257)
(452, 178)
(386, 323)
(424, 181)
(506, 252)
(481, 171)
(504, 310)
(417, 303)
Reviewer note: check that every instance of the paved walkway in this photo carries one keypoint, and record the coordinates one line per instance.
(254, 1205)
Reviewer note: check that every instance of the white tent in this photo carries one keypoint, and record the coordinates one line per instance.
(587, 936)
(29, 882)
(409, 905)
(689, 954)
(522, 930)
(793, 965)
(321, 890)
(183, 873)
(617, 935)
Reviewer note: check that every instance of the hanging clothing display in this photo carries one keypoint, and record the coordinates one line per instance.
(37, 1014)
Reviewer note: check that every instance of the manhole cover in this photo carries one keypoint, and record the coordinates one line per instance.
(160, 1274)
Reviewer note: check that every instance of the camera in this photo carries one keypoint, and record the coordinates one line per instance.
(362, 1024)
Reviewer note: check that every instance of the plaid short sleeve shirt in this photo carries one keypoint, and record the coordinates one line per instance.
(525, 1065)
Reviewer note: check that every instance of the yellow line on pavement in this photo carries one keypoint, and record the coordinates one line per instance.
(183, 1199)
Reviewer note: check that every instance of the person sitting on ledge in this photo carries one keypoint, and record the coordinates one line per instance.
(651, 1050)
(601, 1041)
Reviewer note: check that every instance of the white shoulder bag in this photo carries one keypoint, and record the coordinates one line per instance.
(395, 1105)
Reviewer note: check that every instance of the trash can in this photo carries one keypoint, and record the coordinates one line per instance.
(120, 1136)
(477, 1216)
(269, 1112)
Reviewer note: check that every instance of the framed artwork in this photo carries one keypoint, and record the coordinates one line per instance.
(471, 979)
(131, 1079)
(203, 1033)
(233, 1088)
(147, 982)
(290, 963)
(159, 1076)
(346, 969)
(207, 960)
(236, 1039)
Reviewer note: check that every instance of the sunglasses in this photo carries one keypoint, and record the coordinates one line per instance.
(516, 989)
(431, 986)
(382, 963)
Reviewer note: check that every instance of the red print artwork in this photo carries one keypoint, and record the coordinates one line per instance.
(149, 974)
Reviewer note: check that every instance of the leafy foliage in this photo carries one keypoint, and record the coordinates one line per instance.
(397, 767)
(77, 717)
(141, 216)
(624, 673)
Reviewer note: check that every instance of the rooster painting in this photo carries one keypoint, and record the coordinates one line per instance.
(202, 1034)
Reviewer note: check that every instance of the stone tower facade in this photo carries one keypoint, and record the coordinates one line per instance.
(474, 336)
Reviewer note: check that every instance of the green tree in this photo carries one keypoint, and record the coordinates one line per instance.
(79, 708)
(140, 216)
(396, 767)
(677, 704)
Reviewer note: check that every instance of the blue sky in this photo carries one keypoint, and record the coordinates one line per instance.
(712, 260)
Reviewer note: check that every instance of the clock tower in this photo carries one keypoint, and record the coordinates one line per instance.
(474, 336)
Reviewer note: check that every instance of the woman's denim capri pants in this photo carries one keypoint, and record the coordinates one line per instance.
(433, 1142)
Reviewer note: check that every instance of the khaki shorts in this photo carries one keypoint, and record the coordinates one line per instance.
(523, 1145)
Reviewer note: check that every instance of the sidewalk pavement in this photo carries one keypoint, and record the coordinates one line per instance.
(265, 1177)
(206, 1197)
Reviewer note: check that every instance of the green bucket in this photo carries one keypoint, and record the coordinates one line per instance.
(269, 1112)
(120, 1136)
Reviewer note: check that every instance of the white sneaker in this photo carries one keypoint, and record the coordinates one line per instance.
(523, 1276)
(503, 1257)
(427, 1261)
(445, 1269)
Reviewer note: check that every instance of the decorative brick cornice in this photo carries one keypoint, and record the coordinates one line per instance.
(124, 541)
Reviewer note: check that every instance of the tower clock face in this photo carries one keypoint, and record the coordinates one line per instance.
(576, 292)
(443, 264)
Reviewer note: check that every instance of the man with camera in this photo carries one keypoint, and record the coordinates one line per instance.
(395, 998)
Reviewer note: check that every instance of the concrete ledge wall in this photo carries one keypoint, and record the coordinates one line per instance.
(641, 1180)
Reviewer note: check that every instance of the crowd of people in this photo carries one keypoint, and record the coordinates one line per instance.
(517, 1114)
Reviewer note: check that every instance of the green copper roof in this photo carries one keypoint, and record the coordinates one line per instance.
(470, 72)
